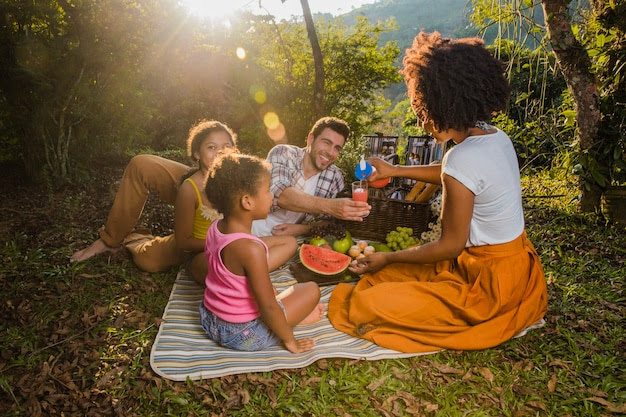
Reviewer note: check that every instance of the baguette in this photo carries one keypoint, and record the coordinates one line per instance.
(417, 188)
(427, 193)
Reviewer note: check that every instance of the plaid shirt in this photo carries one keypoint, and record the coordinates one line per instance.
(288, 171)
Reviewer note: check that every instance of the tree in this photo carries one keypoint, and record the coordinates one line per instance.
(357, 71)
(67, 70)
(598, 136)
(575, 63)
(318, 60)
(90, 79)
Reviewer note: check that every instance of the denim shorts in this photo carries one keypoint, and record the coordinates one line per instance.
(251, 335)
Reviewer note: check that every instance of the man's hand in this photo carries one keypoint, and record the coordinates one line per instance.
(348, 209)
(341, 208)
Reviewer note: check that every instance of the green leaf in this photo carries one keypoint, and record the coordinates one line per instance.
(598, 177)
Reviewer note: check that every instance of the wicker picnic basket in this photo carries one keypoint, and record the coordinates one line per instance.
(387, 214)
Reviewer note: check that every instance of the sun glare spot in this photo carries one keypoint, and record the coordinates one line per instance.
(271, 120)
(258, 93)
(278, 134)
(210, 8)
(241, 53)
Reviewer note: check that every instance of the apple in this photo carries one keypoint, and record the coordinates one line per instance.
(342, 245)
(318, 241)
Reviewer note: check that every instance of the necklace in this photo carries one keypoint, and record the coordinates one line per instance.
(483, 125)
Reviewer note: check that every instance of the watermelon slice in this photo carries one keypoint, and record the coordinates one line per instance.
(323, 261)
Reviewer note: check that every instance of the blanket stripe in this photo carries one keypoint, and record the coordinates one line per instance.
(182, 350)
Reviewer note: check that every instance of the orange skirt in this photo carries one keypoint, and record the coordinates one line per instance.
(490, 294)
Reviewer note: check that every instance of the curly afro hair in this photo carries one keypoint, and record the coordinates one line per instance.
(454, 83)
(231, 176)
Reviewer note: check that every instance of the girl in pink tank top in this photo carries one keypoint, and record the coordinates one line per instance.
(241, 308)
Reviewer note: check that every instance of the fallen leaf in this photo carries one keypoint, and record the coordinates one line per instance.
(400, 374)
(611, 408)
(100, 311)
(446, 369)
(374, 385)
(245, 396)
(597, 393)
(90, 275)
(487, 374)
(537, 404)
(312, 380)
(552, 383)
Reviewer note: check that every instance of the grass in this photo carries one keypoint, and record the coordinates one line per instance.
(75, 339)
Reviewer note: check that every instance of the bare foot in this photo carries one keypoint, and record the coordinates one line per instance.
(95, 248)
(315, 315)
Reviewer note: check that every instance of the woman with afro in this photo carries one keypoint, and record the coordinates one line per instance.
(481, 283)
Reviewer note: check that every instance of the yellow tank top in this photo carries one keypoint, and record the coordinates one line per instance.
(203, 217)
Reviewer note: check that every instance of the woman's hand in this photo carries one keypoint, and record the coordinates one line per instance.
(383, 168)
(300, 345)
(371, 263)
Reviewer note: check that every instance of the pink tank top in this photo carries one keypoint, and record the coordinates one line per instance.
(227, 295)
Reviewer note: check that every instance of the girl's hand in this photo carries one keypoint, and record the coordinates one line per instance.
(371, 263)
(289, 229)
(300, 345)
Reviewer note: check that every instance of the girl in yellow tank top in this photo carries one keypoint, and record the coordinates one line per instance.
(193, 213)
(203, 216)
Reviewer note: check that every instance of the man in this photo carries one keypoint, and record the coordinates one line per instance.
(150, 173)
(305, 182)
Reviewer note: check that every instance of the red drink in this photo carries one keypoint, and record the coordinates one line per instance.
(359, 191)
(360, 194)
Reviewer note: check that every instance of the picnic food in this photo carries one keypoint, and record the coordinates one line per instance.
(342, 245)
(417, 188)
(362, 248)
(318, 241)
(325, 228)
(323, 261)
(401, 238)
(422, 191)
(354, 251)
(368, 250)
(427, 192)
(381, 247)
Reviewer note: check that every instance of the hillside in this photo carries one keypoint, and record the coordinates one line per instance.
(450, 17)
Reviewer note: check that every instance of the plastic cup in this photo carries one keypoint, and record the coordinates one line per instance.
(359, 191)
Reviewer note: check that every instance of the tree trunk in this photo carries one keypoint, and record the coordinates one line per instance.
(318, 59)
(576, 66)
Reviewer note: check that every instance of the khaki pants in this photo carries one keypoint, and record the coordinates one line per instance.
(143, 175)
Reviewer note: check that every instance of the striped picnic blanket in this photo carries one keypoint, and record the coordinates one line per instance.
(182, 350)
